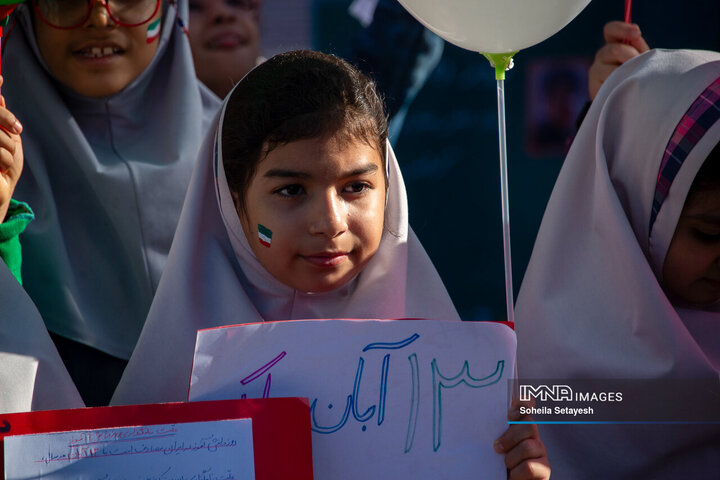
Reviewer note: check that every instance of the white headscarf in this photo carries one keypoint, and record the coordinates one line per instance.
(32, 375)
(592, 303)
(212, 278)
(106, 178)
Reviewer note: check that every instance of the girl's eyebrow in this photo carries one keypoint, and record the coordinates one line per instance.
(279, 172)
(369, 168)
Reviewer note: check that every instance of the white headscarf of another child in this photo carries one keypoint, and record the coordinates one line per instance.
(592, 304)
(32, 375)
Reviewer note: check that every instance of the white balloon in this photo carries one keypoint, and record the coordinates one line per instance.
(494, 26)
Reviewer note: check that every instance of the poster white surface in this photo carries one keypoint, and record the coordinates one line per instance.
(389, 399)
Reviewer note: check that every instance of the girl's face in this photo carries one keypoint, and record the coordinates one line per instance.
(692, 265)
(225, 40)
(315, 212)
(99, 58)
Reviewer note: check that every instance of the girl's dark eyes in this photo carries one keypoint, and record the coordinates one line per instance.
(295, 190)
(289, 191)
(356, 187)
(707, 237)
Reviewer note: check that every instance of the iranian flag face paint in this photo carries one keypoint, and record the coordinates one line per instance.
(264, 235)
(153, 31)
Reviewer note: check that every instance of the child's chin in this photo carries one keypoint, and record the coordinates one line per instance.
(315, 288)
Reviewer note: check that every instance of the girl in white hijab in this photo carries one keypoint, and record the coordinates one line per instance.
(113, 117)
(624, 279)
(296, 210)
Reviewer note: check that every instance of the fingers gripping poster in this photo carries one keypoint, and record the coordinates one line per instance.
(388, 399)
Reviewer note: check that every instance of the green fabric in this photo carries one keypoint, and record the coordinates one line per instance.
(17, 218)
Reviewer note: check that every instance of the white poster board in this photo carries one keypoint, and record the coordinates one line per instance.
(419, 399)
(216, 450)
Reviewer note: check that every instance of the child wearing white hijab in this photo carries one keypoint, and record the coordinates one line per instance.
(113, 117)
(624, 279)
(223, 270)
(296, 210)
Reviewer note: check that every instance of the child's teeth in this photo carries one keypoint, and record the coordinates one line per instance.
(99, 52)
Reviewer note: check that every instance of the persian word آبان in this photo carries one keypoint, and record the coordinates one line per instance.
(352, 407)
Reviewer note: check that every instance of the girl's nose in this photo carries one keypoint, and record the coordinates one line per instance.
(221, 11)
(328, 216)
(99, 15)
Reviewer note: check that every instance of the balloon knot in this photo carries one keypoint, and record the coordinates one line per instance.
(502, 62)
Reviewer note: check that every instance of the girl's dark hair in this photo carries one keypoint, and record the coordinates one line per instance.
(295, 96)
(707, 178)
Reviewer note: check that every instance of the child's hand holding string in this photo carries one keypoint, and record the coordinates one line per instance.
(623, 41)
(525, 455)
(11, 155)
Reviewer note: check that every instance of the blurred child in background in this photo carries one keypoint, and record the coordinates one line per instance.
(225, 41)
(113, 117)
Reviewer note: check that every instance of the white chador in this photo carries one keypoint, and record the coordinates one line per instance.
(32, 375)
(592, 304)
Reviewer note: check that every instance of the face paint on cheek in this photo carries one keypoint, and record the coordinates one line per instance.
(264, 235)
(153, 31)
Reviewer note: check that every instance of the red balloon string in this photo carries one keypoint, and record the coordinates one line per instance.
(5, 10)
(628, 16)
(628, 10)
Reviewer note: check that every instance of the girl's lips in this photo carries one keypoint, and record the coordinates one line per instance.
(225, 41)
(98, 54)
(326, 259)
